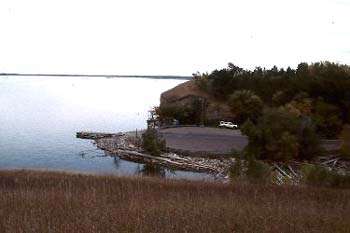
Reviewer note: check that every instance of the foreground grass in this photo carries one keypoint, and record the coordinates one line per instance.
(58, 202)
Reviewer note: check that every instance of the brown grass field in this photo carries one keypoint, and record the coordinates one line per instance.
(60, 202)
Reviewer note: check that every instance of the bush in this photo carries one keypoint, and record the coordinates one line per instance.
(300, 107)
(245, 105)
(280, 98)
(327, 119)
(236, 170)
(258, 171)
(201, 81)
(281, 136)
(152, 143)
(166, 114)
(190, 113)
(320, 176)
(309, 141)
(152, 170)
(251, 170)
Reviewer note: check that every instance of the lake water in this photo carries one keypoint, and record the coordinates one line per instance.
(39, 117)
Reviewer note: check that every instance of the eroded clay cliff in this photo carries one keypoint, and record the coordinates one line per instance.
(186, 92)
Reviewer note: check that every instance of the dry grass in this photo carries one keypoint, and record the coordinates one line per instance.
(57, 202)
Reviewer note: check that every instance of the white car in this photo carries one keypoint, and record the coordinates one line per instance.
(228, 124)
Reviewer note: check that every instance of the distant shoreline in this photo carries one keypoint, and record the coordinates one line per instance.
(102, 75)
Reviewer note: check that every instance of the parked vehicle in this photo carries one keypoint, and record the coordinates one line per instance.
(227, 124)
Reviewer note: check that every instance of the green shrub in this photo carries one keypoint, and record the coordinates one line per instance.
(251, 170)
(328, 119)
(245, 105)
(280, 98)
(321, 176)
(202, 82)
(315, 175)
(258, 171)
(191, 113)
(281, 136)
(236, 170)
(152, 170)
(152, 143)
(309, 142)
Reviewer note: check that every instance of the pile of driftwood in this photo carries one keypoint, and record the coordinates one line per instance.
(128, 148)
(335, 163)
(291, 173)
(94, 135)
(285, 175)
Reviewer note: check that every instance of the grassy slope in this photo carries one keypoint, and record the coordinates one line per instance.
(57, 202)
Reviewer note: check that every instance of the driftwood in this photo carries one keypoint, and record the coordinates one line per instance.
(329, 161)
(127, 148)
(165, 160)
(336, 163)
(283, 176)
(282, 171)
(293, 172)
(95, 135)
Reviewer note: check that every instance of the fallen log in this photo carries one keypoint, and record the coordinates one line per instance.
(293, 172)
(169, 162)
(282, 171)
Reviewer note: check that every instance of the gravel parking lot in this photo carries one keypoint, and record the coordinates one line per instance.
(204, 139)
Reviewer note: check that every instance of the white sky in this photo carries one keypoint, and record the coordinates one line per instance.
(169, 37)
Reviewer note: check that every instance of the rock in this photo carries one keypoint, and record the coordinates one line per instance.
(185, 93)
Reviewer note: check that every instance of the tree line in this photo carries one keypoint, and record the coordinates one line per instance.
(284, 112)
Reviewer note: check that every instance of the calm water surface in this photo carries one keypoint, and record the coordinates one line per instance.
(39, 118)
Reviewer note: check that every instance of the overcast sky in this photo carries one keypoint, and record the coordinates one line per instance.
(169, 36)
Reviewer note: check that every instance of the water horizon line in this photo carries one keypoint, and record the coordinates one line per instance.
(183, 77)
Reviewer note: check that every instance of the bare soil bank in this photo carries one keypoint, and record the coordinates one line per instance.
(58, 202)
